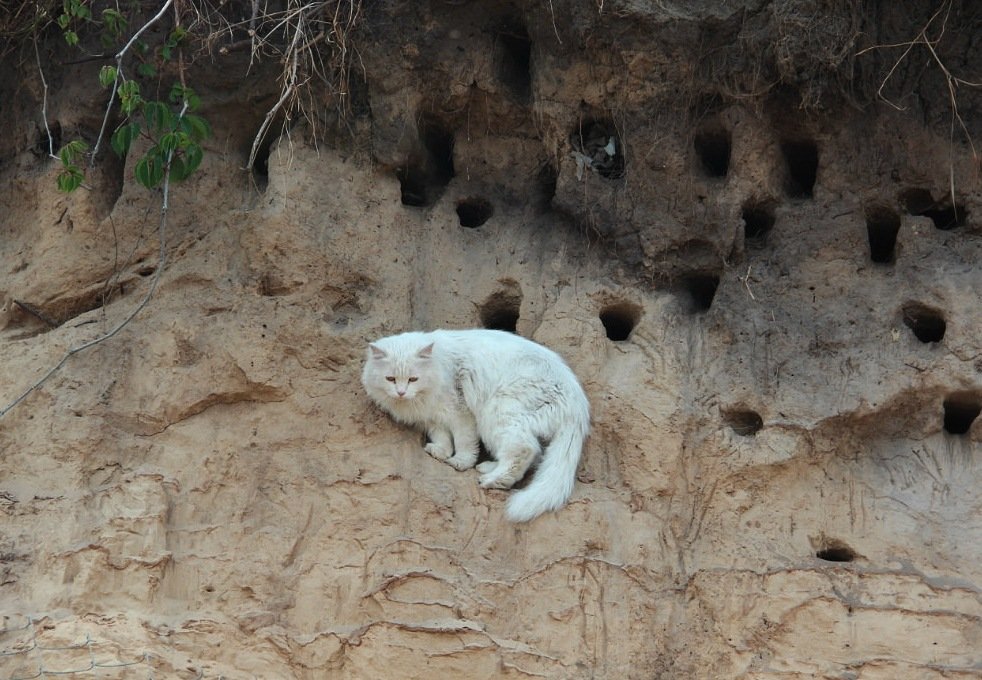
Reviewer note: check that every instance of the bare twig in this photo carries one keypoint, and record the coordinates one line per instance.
(161, 259)
(33, 310)
(44, 101)
(951, 82)
(746, 283)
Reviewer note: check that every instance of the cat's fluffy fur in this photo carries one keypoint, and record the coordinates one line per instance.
(467, 386)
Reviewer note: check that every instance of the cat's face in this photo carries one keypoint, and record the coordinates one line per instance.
(401, 378)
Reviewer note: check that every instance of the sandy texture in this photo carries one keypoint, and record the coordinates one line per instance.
(783, 477)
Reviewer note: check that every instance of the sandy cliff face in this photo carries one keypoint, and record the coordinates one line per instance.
(770, 291)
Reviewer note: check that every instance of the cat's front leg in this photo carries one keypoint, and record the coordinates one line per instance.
(440, 445)
(466, 442)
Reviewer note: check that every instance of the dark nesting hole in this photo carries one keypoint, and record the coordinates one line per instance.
(712, 145)
(619, 320)
(758, 220)
(882, 227)
(500, 311)
(745, 422)
(146, 270)
(513, 61)
(427, 172)
(260, 164)
(918, 201)
(45, 146)
(801, 161)
(546, 180)
(960, 411)
(701, 289)
(438, 142)
(927, 323)
(836, 551)
(412, 184)
(473, 212)
(947, 217)
(599, 146)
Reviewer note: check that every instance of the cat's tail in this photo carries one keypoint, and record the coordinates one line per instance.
(552, 484)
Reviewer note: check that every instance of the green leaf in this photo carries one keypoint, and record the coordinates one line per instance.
(107, 75)
(123, 138)
(129, 96)
(196, 127)
(71, 37)
(150, 169)
(115, 22)
(146, 70)
(193, 157)
(159, 117)
(72, 151)
(63, 21)
(70, 179)
(178, 171)
(168, 143)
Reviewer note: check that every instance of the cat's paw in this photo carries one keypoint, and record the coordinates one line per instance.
(487, 466)
(439, 452)
(493, 481)
(459, 463)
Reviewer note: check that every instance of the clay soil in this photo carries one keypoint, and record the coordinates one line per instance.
(753, 229)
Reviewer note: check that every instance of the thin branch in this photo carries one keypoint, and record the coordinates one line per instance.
(37, 312)
(119, 76)
(102, 338)
(44, 100)
(161, 260)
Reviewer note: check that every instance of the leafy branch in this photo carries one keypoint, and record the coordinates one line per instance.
(173, 131)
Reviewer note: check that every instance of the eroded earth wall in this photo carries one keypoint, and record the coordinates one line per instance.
(753, 229)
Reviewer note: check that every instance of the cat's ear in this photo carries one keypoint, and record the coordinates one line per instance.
(376, 352)
(426, 352)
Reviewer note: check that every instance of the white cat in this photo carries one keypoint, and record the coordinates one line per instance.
(467, 386)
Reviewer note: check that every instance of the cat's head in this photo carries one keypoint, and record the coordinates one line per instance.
(401, 373)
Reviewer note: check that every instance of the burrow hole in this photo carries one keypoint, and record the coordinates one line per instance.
(700, 289)
(758, 220)
(927, 323)
(619, 320)
(412, 183)
(260, 163)
(599, 147)
(836, 551)
(500, 311)
(428, 170)
(473, 212)
(882, 227)
(712, 144)
(945, 215)
(546, 179)
(960, 411)
(513, 61)
(743, 421)
(801, 163)
(45, 147)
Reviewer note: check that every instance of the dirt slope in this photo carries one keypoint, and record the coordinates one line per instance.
(770, 290)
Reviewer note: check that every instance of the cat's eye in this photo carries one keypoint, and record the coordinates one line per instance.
(390, 378)
(413, 379)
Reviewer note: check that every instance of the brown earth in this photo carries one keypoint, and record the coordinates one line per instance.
(770, 290)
